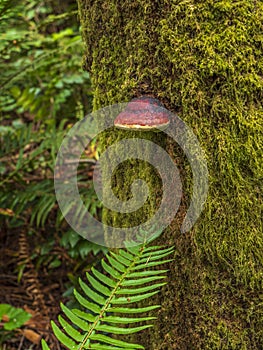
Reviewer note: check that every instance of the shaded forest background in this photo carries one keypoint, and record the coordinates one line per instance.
(44, 91)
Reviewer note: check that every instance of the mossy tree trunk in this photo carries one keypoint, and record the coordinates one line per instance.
(202, 59)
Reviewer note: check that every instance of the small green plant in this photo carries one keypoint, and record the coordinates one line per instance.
(12, 318)
(108, 301)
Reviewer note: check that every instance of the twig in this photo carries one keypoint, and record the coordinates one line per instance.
(21, 342)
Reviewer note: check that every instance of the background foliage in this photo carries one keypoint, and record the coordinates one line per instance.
(44, 91)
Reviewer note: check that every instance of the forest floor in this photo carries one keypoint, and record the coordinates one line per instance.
(37, 290)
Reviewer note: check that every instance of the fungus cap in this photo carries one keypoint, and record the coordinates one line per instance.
(142, 114)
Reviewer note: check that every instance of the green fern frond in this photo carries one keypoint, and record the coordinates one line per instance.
(109, 301)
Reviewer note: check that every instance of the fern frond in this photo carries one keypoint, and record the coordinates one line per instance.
(109, 300)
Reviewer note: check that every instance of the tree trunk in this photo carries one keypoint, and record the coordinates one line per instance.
(203, 60)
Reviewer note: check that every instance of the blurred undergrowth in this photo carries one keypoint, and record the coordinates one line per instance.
(43, 92)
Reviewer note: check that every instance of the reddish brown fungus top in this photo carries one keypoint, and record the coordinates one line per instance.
(143, 113)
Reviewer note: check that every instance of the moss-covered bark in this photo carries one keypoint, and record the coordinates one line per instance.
(204, 60)
(121, 182)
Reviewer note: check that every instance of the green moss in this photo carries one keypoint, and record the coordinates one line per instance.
(121, 183)
(204, 60)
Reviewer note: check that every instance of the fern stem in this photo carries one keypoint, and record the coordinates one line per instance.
(104, 309)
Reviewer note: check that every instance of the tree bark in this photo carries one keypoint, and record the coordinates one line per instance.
(203, 60)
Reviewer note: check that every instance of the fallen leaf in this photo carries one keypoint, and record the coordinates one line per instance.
(31, 336)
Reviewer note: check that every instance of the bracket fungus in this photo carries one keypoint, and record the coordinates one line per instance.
(143, 114)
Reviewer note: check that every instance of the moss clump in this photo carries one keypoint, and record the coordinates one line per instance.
(204, 60)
